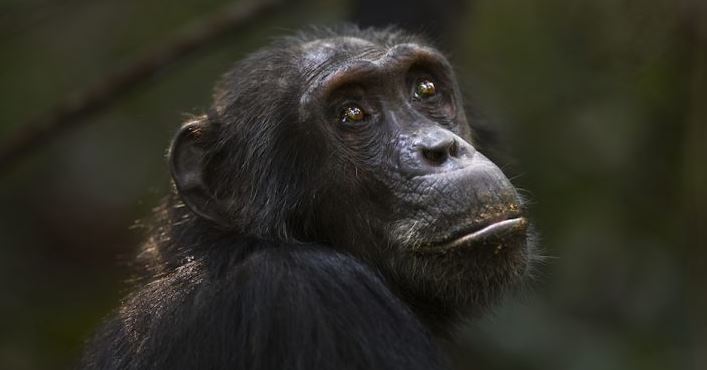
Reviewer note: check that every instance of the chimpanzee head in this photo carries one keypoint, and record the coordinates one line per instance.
(358, 140)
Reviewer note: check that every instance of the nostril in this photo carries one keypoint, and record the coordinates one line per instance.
(440, 153)
(435, 156)
(454, 149)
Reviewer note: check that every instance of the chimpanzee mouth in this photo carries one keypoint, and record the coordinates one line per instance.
(494, 233)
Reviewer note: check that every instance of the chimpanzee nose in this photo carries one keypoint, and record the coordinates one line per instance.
(437, 149)
(434, 150)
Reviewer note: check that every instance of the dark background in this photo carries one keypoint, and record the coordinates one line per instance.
(602, 104)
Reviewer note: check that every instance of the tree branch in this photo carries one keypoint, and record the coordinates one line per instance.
(74, 110)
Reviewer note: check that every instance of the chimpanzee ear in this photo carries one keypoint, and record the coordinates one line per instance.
(187, 160)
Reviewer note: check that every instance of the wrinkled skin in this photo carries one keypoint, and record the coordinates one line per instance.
(330, 211)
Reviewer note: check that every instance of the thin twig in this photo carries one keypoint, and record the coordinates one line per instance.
(74, 111)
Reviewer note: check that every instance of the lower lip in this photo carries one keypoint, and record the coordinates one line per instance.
(489, 233)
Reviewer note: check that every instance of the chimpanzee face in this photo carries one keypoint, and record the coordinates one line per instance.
(406, 188)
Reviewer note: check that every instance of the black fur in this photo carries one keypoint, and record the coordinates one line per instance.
(291, 242)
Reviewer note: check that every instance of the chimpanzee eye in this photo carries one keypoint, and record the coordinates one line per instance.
(425, 89)
(352, 113)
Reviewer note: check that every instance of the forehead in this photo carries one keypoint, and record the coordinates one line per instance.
(324, 55)
(331, 50)
(326, 64)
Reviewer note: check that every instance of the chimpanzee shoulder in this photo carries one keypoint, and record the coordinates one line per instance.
(282, 307)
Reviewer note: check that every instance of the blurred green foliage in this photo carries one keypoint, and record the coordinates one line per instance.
(602, 104)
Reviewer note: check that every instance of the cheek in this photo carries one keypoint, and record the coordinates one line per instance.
(360, 147)
(463, 129)
(448, 109)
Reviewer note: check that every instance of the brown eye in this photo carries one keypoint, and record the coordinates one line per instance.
(425, 89)
(352, 113)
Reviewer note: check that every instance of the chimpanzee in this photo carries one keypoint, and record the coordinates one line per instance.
(330, 211)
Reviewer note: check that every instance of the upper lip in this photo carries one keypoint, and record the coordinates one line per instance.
(480, 233)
